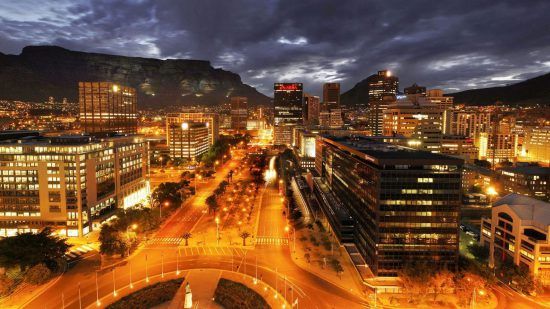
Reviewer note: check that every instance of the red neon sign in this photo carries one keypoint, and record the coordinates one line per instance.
(288, 87)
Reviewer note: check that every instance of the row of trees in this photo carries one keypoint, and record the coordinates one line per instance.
(212, 200)
(420, 281)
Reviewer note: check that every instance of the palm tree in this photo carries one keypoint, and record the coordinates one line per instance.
(212, 203)
(186, 236)
(244, 235)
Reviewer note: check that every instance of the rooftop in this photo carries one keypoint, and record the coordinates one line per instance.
(376, 150)
(528, 170)
(527, 208)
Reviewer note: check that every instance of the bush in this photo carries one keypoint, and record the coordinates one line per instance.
(38, 274)
(6, 285)
(150, 296)
(231, 294)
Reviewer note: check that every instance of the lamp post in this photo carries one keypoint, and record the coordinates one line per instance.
(114, 284)
(197, 178)
(492, 193)
(217, 230)
(134, 227)
(97, 302)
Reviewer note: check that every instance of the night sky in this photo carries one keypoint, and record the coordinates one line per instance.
(453, 45)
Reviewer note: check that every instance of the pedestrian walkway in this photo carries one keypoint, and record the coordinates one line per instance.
(203, 283)
(230, 251)
(76, 252)
(165, 240)
(267, 240)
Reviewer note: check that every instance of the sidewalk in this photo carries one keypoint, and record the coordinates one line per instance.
(348, 279)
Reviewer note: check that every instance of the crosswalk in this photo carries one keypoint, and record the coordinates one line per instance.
(201, 251)
(268, 240)
(166, 240)
(77, 251)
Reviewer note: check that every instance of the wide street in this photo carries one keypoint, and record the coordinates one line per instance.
(269, 261)
(164, 256)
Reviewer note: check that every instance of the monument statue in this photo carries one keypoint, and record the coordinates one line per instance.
(188, 297)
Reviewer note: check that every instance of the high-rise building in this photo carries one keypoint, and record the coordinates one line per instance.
(213, 120)
(383, 88)
(381, 84)
(239, 113)
(436, 97)
(188, 140)
(537, 144)
(518, 231)
(331, 96)
(394, 204)
(415, 89)
(497, 148)
(470, 123)
(288, 113)
(335, 120)
(72, 183)
(311, 109)
(107, 107)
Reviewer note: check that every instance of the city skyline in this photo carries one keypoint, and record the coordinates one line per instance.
(445, 45)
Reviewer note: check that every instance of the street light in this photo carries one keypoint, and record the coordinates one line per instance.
(217, 230)
(134, 227)
(197, 178)
(492, 192)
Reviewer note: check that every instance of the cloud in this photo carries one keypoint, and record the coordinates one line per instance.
(449, 44)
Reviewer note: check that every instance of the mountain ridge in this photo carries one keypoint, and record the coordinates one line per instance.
(55, 71)
(531, 91)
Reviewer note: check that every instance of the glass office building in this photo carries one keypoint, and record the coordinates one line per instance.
(404, 203)
(72, 183)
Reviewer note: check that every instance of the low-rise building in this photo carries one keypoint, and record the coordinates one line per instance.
(533, 181)
(518, 231)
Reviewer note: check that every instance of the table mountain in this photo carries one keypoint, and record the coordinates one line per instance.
(43, 71)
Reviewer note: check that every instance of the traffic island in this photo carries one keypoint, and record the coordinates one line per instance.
(149, 296)
(231, 294)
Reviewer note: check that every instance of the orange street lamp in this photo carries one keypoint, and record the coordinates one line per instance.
(217, 230)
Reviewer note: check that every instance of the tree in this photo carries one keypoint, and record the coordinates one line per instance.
(467, 284)
(38, 274)
(337, 266)
(212, 204)
(480, 252)
(167, 192)
(186, 236)
(442, 282)
(307, 256)
(27, 249)
(112, 241)
(415, 278)
(6, 284)
(244, 235)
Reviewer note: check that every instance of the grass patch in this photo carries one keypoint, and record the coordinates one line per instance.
(231, 294)
(150, 296)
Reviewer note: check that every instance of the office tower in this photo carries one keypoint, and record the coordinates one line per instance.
(239, 113)
(537, 144)
(288, 100)
(383, 88)
(395, 205)
(324, 119)
(177, 119)
(335, 119)
(107, 107)
(188, 140)
(311, 109)
(415, 89)
(458, 146)
(72, 183)
(518, 231)
(436, 97)
(407, 117)
(533, 181)
(496, 148)
(382, 84)
(331, 96)
(470, 123)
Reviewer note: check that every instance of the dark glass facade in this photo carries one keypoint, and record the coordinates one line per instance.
(405, 203)
(288, 99)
